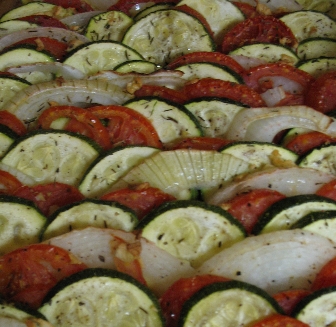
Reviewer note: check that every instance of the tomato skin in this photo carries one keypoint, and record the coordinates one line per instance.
(260, 29)
(161, 92)
(321, 95)
(43, 21)
(278, 320)
(210, 87)
(201, 143)
(254, 75)
(247, 207)
(179, 292)
(8, 183)
(303, 143)
(127, 127)
(326, 277)
(50, 197)
(328, 190)
(289, 299)
(28, 273)
(203, 56)
(91, 122)
(15, 124)
(142, 199)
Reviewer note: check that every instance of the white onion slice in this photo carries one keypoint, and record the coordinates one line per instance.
(275, 261)
(273, 96)
(29, 322)
(263, 124)
(289, 181)
(28, 103)
(279, 6)
(160, 269)
(80, 20)
(248, 62)
(57, 68)
(60, 34)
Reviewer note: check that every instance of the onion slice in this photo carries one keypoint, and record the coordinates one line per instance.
(263, 124)
(275, 261)
(30, 102)
(80, 20)
(288, 181)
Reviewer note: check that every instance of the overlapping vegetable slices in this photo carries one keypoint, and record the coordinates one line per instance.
(155, 115)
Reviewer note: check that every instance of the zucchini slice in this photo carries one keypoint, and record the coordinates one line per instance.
(318, 308)
(317, 48)
(156, 6)
(164, 35)
(171, 120)
(48, 156)
(231, 303)
(285, 213)
(319, 222)
(306, 24)
(21, 223)
(98, 56)
(267, 52)
(317, 66)
(109, 25)
(214, 114)
(191, 230)
(7, 138)
(178, 172)
(317, 5)
(101, 297)
(90, 213)
(260, 154)
(107, 169)
(14, 25)
(136, 66)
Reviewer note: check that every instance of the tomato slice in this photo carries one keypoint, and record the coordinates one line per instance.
(126, 126)
(328, 190)
(202, 143)
(15, 124)
(247, 207)
(99, 133)
(43, 21)
(289, 299)
(8, 183)
(142, 199)
(326, 277)
(179, 292)
(278, 320)
(161, 92)
(79, 5)
(248, 10)
(50, 197)
(56, 48)
(203, 56)
(321, 94)
(303, 143)
(28, 273)
(257, 77)
(260, 29)
(210, 87)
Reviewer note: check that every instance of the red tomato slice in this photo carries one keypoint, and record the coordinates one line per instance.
(98, 131)
(328, 190)
(247, 207)
(179, 292)
(256, 77)
(44, 21)
(303, 143)
(289, 299)
(56, 48)
(326, 277)
(162, 92)
(321, 94)
(28, 273)
(127, 127)
(126, 6)
(50, 197)
(8, 183)
(260, 29)
(277, 320)
(142, 199)
(203, 56)
(14, 123)
(210, 87)
(79, 5)
(202, 143)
